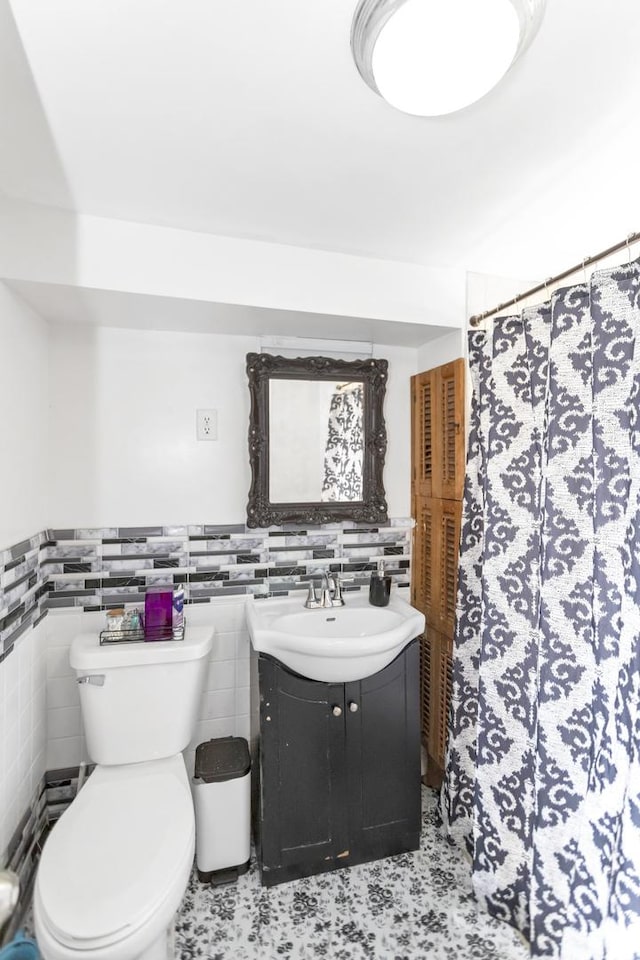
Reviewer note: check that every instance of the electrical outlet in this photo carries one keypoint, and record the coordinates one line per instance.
(207, 424)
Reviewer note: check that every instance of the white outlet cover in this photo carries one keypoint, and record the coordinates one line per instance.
(207, 424)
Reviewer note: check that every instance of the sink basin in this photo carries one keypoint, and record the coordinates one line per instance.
(337, 644)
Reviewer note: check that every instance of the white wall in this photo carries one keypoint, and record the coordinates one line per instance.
(397, 412)
(443, 350)
(24, 422)
(485, 292)
(123, 436)
(123, 433)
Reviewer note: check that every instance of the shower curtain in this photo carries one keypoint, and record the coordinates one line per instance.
(542, 780)
(345, 446)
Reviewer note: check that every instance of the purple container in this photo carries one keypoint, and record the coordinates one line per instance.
(158, 613)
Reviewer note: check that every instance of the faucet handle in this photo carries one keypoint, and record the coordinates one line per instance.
(338, 599)
(326, 600)
(311, 596)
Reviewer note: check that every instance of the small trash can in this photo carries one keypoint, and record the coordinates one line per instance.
(222, 801)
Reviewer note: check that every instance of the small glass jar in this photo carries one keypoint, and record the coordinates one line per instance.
(115, 619)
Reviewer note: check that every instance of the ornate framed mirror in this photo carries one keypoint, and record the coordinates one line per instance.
(317, 440)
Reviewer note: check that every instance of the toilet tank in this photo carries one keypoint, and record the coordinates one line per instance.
(140, 701)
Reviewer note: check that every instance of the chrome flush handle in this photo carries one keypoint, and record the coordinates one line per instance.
(96, 679)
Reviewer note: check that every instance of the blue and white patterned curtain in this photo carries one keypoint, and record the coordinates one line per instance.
(542, 781)
(345, 445)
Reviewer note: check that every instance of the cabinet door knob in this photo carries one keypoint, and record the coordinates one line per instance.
(336, 711)
(353, 707)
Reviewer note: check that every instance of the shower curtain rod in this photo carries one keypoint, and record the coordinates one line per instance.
(477, 319)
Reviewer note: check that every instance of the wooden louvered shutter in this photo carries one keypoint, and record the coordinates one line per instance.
(449, 540)
(437, 482)
(422, 579)
(422, 434)
(450, 477)
(426, 683)
(438, 698)
(435, 561)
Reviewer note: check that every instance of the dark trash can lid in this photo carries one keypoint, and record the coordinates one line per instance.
(225, 758)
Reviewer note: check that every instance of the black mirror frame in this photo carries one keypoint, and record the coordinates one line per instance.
(262, 367)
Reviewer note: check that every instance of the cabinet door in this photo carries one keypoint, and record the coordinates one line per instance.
(382, 720)
(303, 821)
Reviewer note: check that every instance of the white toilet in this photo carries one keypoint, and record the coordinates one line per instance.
(116, 865)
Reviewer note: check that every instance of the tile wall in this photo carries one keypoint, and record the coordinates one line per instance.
(22, 693)
(23, 742)
(95, 569)
(23, 590)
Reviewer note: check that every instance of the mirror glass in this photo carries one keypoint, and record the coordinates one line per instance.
(317, 454)
(317, 440)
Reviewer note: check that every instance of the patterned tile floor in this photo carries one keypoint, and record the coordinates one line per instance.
(415, 906)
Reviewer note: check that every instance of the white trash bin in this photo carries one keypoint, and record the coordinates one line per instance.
(222, 801)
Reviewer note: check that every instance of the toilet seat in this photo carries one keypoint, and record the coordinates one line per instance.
(119, 855)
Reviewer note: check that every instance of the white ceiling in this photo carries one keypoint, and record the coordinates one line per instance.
(248, 118)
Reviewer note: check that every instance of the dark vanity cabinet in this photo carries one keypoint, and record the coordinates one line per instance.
(339, 768)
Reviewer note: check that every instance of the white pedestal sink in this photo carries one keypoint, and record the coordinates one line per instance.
(333, 644)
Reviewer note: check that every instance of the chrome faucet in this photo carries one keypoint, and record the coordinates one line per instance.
(330, 593)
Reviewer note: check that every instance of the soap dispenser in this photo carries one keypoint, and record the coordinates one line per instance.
(379, 587)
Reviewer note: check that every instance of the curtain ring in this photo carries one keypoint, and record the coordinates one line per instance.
(629, 235)
(584, 271)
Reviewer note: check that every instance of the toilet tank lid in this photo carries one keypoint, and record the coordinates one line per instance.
(87, 654)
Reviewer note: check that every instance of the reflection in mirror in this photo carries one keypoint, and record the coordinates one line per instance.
(317, 440)
(316, 454)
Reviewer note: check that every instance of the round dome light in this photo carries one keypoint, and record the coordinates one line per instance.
(433, 57)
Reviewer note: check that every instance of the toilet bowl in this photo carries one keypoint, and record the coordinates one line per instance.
(114, 870)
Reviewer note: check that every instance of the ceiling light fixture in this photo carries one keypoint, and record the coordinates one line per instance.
(433, 57)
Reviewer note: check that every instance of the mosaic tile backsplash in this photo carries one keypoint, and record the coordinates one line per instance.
(23, 590)
(94, 569)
